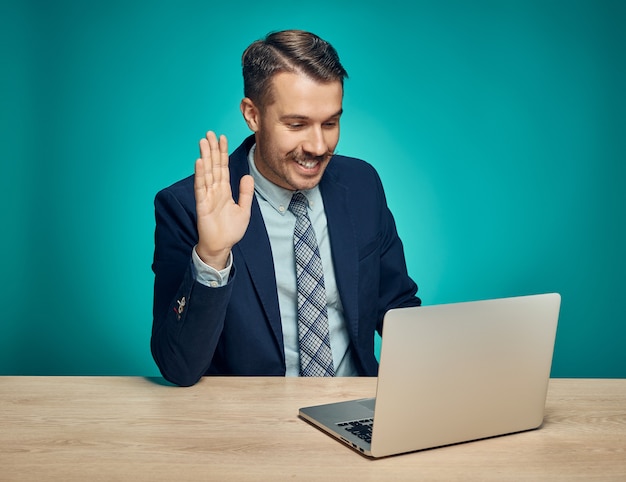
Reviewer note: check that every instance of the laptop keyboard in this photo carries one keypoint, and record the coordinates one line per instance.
(361, 428)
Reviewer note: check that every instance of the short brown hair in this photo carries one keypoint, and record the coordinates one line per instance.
(288, 51)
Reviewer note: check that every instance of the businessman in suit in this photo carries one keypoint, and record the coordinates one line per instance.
(230, 281)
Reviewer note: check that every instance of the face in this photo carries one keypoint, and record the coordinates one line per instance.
(297, 133)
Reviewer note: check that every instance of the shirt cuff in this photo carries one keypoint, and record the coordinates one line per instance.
(208, 276)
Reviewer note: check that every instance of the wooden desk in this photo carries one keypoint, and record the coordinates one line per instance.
(121, 428)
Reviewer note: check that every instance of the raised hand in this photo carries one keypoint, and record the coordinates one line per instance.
(221, 221)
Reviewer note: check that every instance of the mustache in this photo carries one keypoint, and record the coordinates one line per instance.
(301, 156)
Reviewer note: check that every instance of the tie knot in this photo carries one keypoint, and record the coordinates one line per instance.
(298, 204)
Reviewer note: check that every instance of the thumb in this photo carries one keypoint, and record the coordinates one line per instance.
(246, 192)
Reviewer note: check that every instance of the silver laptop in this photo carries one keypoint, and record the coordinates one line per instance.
(451, 373)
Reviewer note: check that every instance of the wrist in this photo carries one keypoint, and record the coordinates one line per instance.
(216, 260)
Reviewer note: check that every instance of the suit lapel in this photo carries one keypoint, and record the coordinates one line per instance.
(256, 253)
(343, 245)
(254, 249)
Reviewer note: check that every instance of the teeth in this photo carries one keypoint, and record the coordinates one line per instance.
(308, 164)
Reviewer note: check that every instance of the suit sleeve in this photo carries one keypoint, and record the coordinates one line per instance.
(397, 289)
(188, 317)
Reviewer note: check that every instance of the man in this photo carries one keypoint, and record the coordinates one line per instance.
(238, 244)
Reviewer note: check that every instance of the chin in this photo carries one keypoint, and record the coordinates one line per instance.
(303, 182)
(305, 185)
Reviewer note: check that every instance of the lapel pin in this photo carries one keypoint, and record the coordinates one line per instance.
(181, 306)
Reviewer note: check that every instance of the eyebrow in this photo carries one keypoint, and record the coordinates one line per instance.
(304, 117)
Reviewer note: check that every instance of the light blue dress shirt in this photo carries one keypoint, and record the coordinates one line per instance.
(280, 222)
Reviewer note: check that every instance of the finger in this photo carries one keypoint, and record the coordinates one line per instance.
(223, 159)
(205, 146)
(205, 154)
(215, 156)
(199, 180)
(223, 145)
(246, 192)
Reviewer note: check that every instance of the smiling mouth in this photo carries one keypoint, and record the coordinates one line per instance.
(310, 162)
(307, 164)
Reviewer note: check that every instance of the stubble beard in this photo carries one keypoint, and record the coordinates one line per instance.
(282, 177)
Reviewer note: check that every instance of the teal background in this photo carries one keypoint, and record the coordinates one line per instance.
(498, 128)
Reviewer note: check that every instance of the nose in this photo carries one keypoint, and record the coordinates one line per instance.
(315, 143)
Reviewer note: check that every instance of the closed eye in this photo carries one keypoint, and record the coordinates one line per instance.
(297, 122)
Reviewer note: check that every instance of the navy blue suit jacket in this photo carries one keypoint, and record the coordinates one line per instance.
(236, 329)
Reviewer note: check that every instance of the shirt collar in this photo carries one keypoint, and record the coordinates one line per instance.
(276, 196)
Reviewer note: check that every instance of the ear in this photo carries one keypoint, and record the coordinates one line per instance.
(250, 114)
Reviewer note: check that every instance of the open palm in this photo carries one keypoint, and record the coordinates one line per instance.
(221, 221)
